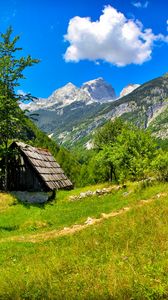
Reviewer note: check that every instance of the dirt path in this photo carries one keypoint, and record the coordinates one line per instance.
(49, 235)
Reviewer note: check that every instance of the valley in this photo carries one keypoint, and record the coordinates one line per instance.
(71, 115)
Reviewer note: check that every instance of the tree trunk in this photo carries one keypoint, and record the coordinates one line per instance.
(6, 167)
(111, 173)
(114, 174)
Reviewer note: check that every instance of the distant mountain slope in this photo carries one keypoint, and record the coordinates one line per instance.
(143, 104)
(159, 124)
(128, 89)
(74, 121)
(99, 90)
(67, 107)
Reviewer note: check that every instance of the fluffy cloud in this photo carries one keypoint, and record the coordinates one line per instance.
(139, 4)
(113, 38)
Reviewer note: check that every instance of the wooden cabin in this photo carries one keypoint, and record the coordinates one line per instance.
(35, 170)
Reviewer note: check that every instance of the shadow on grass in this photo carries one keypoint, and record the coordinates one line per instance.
(9, 228)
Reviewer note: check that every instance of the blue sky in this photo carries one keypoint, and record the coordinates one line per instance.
(78, 41)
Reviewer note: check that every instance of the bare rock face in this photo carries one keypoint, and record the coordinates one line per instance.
(99, 90)
(69, 94)
(128, 89)
(93, 91)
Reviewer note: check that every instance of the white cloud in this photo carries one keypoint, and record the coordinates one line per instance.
(139, 4)
(113, 38)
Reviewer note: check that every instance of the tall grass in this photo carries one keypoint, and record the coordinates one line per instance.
(125, 257)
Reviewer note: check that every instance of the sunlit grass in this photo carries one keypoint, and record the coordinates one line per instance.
(6, 200)
(17, 218)
(125, 257)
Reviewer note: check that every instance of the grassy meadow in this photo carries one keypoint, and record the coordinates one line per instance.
(123, 257)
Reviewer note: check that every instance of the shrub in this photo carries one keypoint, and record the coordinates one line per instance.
(160, 165)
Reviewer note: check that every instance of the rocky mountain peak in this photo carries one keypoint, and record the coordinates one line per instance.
(65, 90)
(99, 90)
(64, 95)
(96, 81)
(69, 85)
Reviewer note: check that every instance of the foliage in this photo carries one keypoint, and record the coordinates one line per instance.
(124, 150)
(92, 172)
(108, 133)
(137, 149)
(38, 138)
(162, 143)
(160, 165)
(104, 142)
(69, 164)
(13, 122)
(11, 71)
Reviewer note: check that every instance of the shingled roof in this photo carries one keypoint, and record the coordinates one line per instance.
(45, 166)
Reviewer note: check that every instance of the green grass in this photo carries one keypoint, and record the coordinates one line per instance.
(125, 257)
(19, 219)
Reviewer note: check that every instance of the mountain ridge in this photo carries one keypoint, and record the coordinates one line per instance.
(76, 122)
(97, 90)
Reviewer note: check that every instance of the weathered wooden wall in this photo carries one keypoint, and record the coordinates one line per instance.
(21, 176)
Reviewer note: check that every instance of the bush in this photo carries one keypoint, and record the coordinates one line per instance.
(160, 165)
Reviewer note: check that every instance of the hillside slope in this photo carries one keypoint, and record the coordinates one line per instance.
(142, 107)
(159, 124)
(122, 257)
(75, 121)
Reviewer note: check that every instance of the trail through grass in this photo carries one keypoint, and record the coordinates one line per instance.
(121, 257)
(20, 219)
(49, 235)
